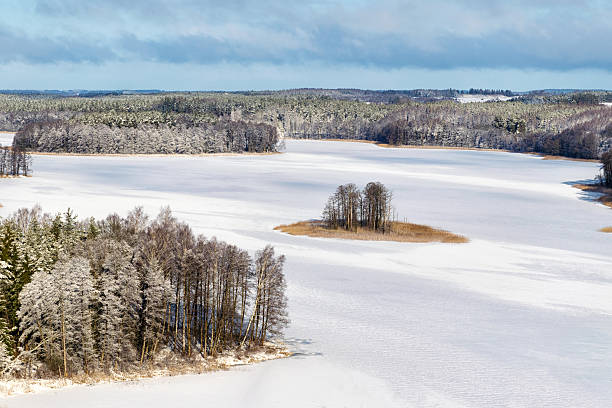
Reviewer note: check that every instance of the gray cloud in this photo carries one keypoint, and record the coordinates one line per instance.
(387, 34)
(50, 50)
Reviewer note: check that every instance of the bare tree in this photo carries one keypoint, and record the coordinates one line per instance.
(349, 208)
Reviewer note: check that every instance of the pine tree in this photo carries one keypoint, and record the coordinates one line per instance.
(5, 358)
(12, 279)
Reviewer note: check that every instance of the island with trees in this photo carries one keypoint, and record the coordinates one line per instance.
(366, 214)
(94, 299)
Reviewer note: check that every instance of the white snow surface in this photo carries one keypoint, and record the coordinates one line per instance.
(6, 139)
(519, 317)
(482, 98)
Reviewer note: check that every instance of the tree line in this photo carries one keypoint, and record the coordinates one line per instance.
(15, 162)
(582, 131)
(76, 137)
(349, 208)
(479, 91)
(571, 124)
(113, 294)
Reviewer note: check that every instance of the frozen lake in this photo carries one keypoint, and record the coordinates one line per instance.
(521, 316)
(6, 138)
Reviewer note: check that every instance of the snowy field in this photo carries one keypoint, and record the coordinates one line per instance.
(519, 317)
(6, 139)
(482, 98)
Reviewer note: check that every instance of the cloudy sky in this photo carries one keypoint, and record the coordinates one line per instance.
(272, 44)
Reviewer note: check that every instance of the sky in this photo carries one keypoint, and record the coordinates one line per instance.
(280, 44)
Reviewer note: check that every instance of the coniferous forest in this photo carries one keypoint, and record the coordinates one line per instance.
(573, 124)
(88, 296)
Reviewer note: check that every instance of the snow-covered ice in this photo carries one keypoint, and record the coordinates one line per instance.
(482, 98)
(6, 139)
(521, 316)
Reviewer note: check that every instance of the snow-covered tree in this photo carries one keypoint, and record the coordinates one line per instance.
(55, 311)
(118, 300)
(6, 355)
(109, 294)
(79, 293)
(155, 295)
(40, 318)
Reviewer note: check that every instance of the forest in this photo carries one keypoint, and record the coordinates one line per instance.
(573, 124)
(97, 296)
(61, 136)
(571, 130)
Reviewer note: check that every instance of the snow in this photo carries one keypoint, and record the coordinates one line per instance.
(6, 139)
(521, 316)
(482, 98)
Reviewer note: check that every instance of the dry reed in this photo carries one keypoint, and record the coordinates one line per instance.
(605, 199)
(400, 232)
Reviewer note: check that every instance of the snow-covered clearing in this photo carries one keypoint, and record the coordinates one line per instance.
(6, 139)
(521, 316)
(482, 98)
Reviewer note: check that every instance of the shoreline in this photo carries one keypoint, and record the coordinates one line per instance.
(33, 153)
(372, 142)
(225, 361)
(606, 192)
(438, 147)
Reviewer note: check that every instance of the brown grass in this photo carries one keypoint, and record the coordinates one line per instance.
(606, 229)
(400, 232)
(169, 366)
(4, 176)
(605, 199)
(550, 157)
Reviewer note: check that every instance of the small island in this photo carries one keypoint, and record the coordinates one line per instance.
(366, 215)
